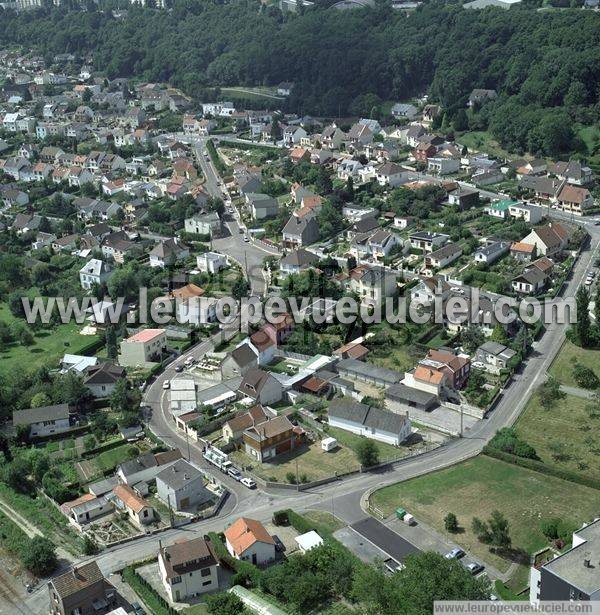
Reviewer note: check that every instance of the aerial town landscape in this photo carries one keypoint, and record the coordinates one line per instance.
(302, 322)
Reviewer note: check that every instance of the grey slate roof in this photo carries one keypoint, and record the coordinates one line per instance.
(401, 392)
(179, 474)
(369, 371)
(369, 416)
(38, 415)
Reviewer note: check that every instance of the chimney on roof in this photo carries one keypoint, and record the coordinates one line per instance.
(587, 563)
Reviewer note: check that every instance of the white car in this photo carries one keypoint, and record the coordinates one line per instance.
(248, 482)
(246, 238)
(166, 384)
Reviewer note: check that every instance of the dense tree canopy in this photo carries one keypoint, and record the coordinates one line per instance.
(544, 65)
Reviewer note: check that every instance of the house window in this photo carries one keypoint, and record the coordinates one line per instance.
(146, 512)
(205, 572)
(206, 583)
(175, 580)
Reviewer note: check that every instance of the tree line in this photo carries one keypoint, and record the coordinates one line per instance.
(544, 65)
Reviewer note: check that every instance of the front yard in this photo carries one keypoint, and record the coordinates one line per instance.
(313, 463)
(564, 436)
(481, 485)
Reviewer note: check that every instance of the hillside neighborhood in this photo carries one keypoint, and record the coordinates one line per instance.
(184, 464)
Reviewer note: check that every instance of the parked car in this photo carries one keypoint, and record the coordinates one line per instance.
(279, 546)
(474, 567)
(137, 608)
(235, 473)
(455, 554)
(248, 482)
(166, 384)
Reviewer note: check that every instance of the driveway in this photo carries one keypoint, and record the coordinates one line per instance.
(385, 539)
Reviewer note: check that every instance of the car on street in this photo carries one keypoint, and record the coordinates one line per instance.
(248, 482)
(474, 567)
(235, 473)
(246, 238)
(166, 384)
(179, 368)
(189, 361)
(454, 554)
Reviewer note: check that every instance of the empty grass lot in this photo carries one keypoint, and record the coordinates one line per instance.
(569, 354)
(48, 347)
(568, 423)
(477, 487)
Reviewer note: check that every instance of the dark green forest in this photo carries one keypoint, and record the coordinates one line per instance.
(545, 65)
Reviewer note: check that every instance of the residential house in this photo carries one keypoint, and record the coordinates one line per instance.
(264, 346)
(523, 252)
(443, 165)
(94, 273)
(143, 347)
(423, 151)
(573, 172)
(428, 288)
(137, 508)
(188, 568)
(248, 540)
(480, 96)
(534, 277)
(43, 421)
(101, 379)
(261, 386)
(143, 469)
(14, 198)
(211, 262)
(575, 199)
(455, 367)
(530, 214)
(369, 421)
(300, 231)
(279, 328)
(548, 240)
(83, 590)
(372, 284)
(444, 256)
(117, 247)
(353, 369)
(234, 428)
(359, 135)
(392, 175)
(332, 137)
(404, 111)
(297, 261)
(239, 361)
(427, 240)
(208, 224)
(86, 509)
(500, 209)
(494, 356)
(491, 252)
(266, 440)
(167, 253)
(348, 168)
(261, 206)
(464, 198)
(182, 486)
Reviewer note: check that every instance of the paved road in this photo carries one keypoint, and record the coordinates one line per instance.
(249, 254)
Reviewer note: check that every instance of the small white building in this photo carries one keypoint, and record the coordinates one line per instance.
(211, 262)
(308, 541)
(369, 421)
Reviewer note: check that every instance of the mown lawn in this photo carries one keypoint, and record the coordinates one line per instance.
(482, 141)
(476, 487)
(568, 355)
(568, 423)
(48, 347)
(351, 440)
(324, 518)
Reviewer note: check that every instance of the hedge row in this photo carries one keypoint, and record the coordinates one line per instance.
(247, 574)
(93, 347)
(540, 466)
(216, 159)
(151, 598)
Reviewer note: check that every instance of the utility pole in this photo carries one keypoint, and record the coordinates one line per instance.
(297, 480)
(171, 515)
(461, 420)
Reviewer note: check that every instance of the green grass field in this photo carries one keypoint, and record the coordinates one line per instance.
(568, 422)
(477, 487)
(483, 142)
(569, 354)
(48, 347)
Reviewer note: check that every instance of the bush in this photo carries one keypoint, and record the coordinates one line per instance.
(152, 599)
(291, 478)
(280, 517)
(367, 453)
(506, 440)
(39, 556)
(451, 522)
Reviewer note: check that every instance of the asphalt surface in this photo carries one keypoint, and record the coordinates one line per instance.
(384, 538)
